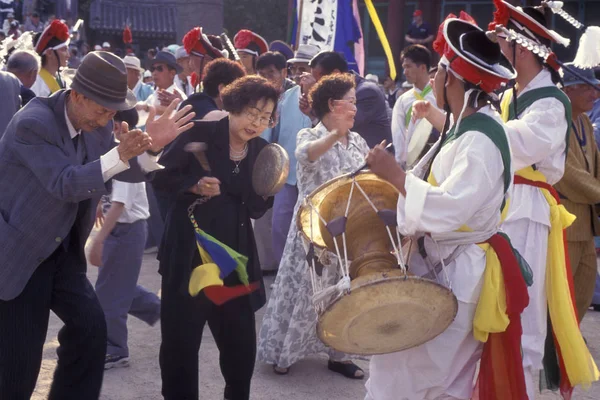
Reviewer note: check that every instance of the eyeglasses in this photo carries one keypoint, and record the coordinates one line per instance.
(255, 117)
(159, 68)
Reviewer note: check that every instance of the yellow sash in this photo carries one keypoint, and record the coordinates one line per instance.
(49, 80)
(579, 364)
(490, 315)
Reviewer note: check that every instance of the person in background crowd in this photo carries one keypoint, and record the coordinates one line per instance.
(49, 21)
(106, 46)
(416, 61)
(579, 187)
(25, 65)
(74, 60)
(283, 48)
(222, 202)
(272, 66)
(118, 249)
(299, 63)
(52, 45)
(202, 49)
(371, 121)
(594, 114)
(288, 331)
(419, 32)
(134, 82)
(147, 78)
(249, 46)
(164, 68)
(2, 35)
(14, 31)
(391, 89)
(8, 20)
(291, 121)
(33, 23)
(183, 80)
(150, 54)
(97, 48)
(10, 88)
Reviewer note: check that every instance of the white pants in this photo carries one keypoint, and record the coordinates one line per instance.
(531, 240)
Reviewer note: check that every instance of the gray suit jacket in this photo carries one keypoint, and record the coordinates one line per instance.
(10, 87)
(372, 120)
(42, 186)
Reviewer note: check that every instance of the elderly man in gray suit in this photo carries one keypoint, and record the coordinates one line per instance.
(10, 88)
(57, 158)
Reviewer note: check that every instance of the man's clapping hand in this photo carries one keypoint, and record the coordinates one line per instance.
(132, 143)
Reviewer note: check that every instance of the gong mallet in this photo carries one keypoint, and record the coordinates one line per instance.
(366, 165)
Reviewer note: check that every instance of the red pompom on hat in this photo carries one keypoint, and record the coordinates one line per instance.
(127, 37)
(197, 43)
(249, 42)
(55, 36)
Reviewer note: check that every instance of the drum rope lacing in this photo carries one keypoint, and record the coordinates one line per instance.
(343, 286)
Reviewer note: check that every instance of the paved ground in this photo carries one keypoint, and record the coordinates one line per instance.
(309, 379)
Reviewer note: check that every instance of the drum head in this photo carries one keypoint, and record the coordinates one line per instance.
(387, 312)
(331, 200)
(271, 170)
(418, 141)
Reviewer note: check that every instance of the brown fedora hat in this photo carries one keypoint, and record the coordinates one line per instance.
(102, 78)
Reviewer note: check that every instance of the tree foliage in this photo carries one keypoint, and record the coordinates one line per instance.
(268, 18)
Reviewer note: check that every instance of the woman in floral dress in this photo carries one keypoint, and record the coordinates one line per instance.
(330, 149)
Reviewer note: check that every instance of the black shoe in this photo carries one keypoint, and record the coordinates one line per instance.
(349, 370)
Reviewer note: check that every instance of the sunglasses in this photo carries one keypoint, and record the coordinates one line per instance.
(159, 68)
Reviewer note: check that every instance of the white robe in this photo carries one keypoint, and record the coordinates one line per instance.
(469, 171)
(537, 137)
(401, 134)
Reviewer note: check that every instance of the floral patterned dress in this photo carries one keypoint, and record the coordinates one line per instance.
(288, 331)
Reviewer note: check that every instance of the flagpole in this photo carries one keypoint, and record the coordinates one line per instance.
(299, 23)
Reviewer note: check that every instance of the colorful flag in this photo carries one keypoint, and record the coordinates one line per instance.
(218, 262)
(328, 24)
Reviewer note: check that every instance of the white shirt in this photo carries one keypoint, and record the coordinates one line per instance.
(153, 99)
(40, 88)
(179, 83)
(134, 199)
(110, 163)
(401, 133)
(537, 137)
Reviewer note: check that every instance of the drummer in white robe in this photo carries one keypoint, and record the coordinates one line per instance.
(468, 185)
(416, 61)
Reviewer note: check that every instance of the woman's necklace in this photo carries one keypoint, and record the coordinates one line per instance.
(237, 157)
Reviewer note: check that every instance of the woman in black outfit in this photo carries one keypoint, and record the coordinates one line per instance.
(233, 145)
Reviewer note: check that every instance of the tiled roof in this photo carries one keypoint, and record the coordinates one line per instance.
(146, 19)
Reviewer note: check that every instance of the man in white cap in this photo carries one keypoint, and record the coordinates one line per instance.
(183, 80)
(10, 17)
(299, 63)
(134, 81)
(106, 46)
